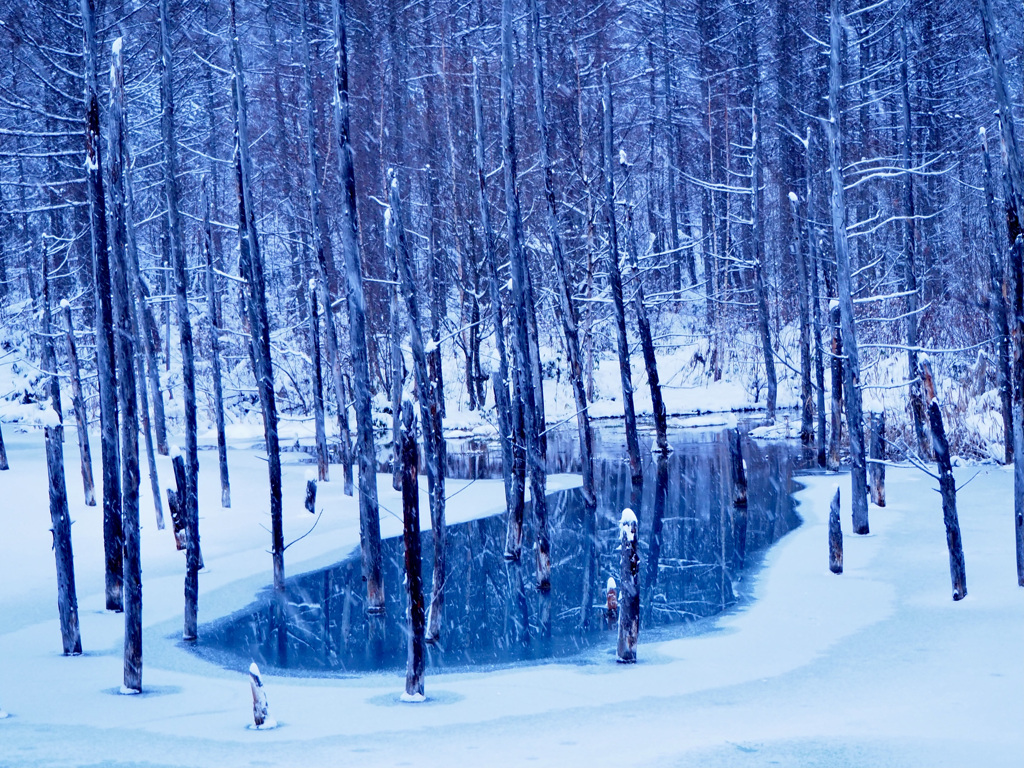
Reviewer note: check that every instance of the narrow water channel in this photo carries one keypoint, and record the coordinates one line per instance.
(696, 550)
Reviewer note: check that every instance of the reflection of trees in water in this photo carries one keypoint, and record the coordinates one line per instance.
(694, 544)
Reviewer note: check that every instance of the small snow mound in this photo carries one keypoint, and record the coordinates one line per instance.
(981, 131)
(793, 198)
(3, 715)
(175, 451)
(832, 304)
(413, 698)
(128, 691)
(628, 516)
(622, 157)
(310, 475)
(254, 670)
(64, 303)
(268, 725)
(611, 584)
(627, 525)
(312, 284)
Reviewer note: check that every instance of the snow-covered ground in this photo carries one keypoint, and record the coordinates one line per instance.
(875, 667)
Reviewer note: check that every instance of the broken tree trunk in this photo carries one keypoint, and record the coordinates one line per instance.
(78, 405)
(629, 588)
(947, 484)
(739, 474)
(835, 536)
(876, 468)
(415, 669)
(259, 697)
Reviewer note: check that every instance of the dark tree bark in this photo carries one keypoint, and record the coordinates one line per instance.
(369, 516)
(318, 385)
(113, 537)
(815, 307)
(127, 398)
(213, 318)
(947, 485)
(876, 471)
(3, 453)
(835, 537)
(529, 391)
(415, 669)
(629, 588)
(60, 520)
(636, 471)
(851, 366)
(428, 396)
(78, 404)
(739, 472)
(251, 266)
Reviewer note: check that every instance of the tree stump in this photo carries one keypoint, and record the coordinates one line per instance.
(835, 537)
(416, 662)
(629, 592)
(260, 711)
(739, 474)
(310, 502)
(876, 468)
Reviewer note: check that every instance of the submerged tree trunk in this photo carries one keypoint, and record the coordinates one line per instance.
(213, 318)
(512, 472)
(369, 515)
(251, 266)
(126, 394)
(78, 404)
(415, 669)
(636, 471)
(113, 536)
(527, 365)
(428, 395)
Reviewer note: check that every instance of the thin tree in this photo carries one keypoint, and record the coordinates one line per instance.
(250, 262)
(78, 405)
(318, 385)
(213, 318)
(369, 515)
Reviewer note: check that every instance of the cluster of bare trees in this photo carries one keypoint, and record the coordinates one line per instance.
(504, 181)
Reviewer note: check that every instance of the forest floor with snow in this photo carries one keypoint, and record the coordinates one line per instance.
(877, 666)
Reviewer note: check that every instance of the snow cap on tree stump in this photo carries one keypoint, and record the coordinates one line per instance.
(627, 524)
(259, 701)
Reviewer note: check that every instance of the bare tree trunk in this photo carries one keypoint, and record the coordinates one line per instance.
(251, 265)
(327, 273)
(917, 407)
(629, 588)
(876, 471)
(3, 453)
(836, 434)
(524, 343)
(815, 307)
(513, 473)
(369, 516)
(428, 396)
(60, 520)
(113, 536)
(213, 318)
(835, 536)
(763, 320)
(739, 472)
(851, 367)
(415, 669)
(803, 310)
(1014, 180)
(318, 384)
(126, 394)
(636, 471)
(1000, 322)
(78, 404)
(178, 260)
(566, 311)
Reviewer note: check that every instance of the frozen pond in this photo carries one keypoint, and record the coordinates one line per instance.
(695, 549)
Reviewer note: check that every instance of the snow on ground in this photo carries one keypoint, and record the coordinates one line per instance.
(876, 667)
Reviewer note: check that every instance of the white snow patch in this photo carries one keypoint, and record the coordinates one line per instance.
(793, 198)
(413, 698)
